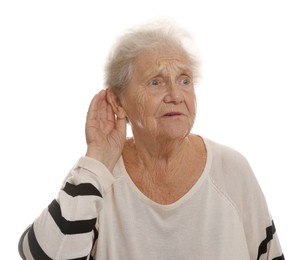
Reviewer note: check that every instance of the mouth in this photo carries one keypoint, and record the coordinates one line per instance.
(172, 114)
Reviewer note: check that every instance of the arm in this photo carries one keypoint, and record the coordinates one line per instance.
(262, 239)
(68, 228)
(236, 179)
(270, 245)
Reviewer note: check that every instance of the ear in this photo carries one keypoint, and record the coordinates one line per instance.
(114, 101)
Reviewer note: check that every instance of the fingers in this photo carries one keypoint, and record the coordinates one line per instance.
(121, 125)
(99, 96)
(101, 109)
(96, 104)
(110, 112)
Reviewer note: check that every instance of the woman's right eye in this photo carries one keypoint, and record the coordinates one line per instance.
(156, 83)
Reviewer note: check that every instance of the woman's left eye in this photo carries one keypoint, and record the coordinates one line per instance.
(155, 82)
(185, 81)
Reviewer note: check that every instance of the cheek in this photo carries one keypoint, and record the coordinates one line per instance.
(139, 109)
(191, 104)
(194, 107)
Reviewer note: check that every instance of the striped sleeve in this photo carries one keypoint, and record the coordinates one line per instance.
(262, 238)
(68, 227)
(270, 247)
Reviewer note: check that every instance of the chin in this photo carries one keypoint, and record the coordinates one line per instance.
(175, 133)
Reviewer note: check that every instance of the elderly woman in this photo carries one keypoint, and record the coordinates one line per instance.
(164, 193)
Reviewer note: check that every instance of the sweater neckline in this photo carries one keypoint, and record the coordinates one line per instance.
(124, 174)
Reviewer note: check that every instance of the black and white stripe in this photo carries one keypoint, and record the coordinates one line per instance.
(85, 228)
(83, 189)
(70, 227)
(270, 231)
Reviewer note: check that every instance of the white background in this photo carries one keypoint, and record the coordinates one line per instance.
(51, 64)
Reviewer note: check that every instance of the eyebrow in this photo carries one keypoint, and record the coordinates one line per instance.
(161, 71)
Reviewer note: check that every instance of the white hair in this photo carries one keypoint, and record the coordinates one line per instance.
(157, 35)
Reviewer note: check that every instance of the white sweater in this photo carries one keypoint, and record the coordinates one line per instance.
(104, 216)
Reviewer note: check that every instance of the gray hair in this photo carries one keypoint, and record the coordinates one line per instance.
(120, 65)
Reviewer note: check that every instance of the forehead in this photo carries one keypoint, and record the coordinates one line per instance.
(151, 61)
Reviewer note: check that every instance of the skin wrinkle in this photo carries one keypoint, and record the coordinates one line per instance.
(170, 67)
(164, 186)
(144, 116)
(160, 143)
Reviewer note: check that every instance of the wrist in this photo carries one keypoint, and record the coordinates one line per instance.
(103, 157)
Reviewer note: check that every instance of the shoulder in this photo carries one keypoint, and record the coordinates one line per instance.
(233, 176)
(226, 159)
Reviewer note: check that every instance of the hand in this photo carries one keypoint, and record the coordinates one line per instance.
(105, 132)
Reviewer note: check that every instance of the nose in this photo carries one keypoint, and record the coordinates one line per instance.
(174, 94)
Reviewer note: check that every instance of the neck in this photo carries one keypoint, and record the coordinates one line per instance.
(164, 171)
(161, 156)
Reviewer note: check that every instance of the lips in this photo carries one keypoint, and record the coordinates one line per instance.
(171, 114)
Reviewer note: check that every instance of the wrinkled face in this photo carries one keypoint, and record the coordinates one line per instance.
(160, 99)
